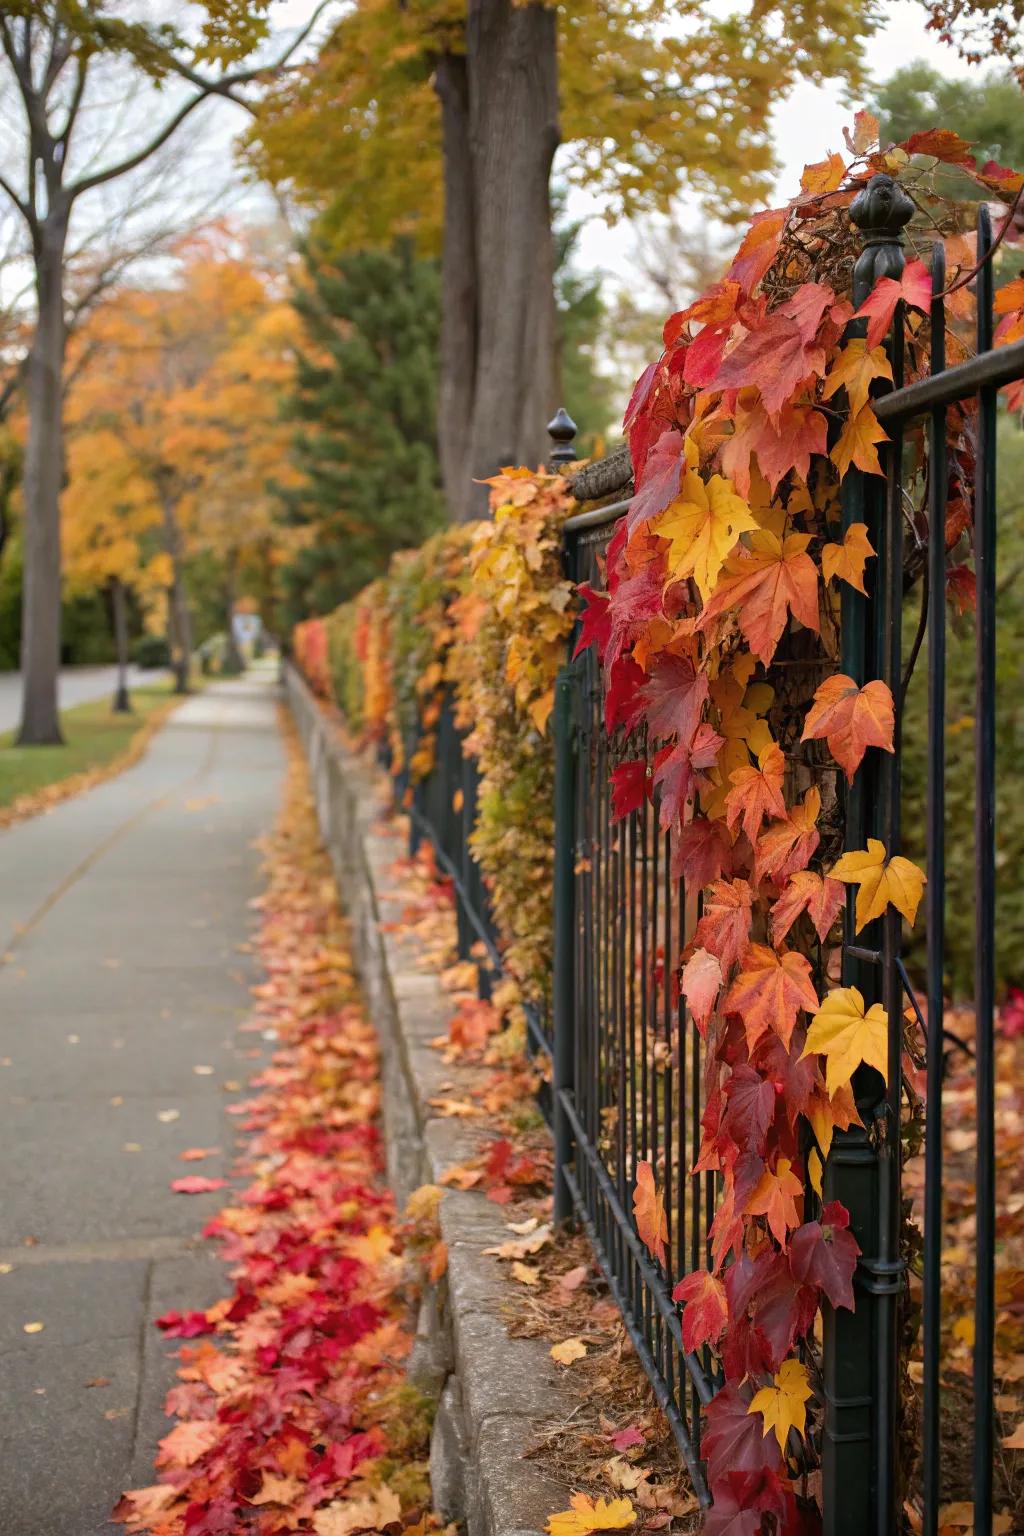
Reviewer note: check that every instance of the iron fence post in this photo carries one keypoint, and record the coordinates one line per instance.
(564, 967)
(860, 1367)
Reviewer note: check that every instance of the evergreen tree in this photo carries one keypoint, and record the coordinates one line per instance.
(365, 449)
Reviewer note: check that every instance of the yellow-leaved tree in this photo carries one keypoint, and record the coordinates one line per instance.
(175, 435)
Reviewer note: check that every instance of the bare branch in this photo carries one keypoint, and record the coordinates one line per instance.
(23, 208)
(205, 90)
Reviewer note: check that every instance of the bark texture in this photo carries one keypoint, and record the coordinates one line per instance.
(513, 121)
(458, 288)
(180, 620)
(44, 468)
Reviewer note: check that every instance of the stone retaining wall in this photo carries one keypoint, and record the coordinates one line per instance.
(494, 1393)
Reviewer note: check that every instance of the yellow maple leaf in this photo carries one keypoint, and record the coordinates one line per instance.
(846, 1033)
(783, 1405)
(882, 881)
(856, 444)
(847, 560)
(584, 1515)
(854, 370)
(703, 525)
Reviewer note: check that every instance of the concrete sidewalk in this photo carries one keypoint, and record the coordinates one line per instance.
(121, 917)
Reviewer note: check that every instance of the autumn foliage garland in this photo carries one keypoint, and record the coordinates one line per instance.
(718, 636)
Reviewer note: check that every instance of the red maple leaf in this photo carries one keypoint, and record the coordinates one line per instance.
(701, 852)
(750, 1109)
(657, 480)
(914, 287)
(761, 1292)
(775, 358)
(623, 681)
(677, 772)
(742, 1499)
(631, 785)
(704, 1312)
(733, 1441)
(824, 1253)
(673, 698)
(724, 926)
(595, 624)
(196, 1184)
(185, 1325)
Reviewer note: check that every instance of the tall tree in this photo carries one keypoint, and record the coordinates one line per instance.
(442, 118)
(364, 454)
(55, 52)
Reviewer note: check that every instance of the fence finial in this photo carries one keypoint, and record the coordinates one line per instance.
(561, 430)
(880, 210)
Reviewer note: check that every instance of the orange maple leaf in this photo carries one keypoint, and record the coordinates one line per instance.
(757, 792)
(856, 444)
(770, 991)
(851, 719)
(847, 560)
(778, 443)
(823, 175)
(775, 1197)
(649, 1211)
(766, 583)
(821, 898)
(786, 846)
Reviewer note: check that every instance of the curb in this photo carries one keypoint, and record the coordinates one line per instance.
(494, 1393)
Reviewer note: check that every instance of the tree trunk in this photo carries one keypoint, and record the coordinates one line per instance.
(44, 467)
(122, 699)
(180, 619)
(234, 661)
(458, 289)
(513, 101)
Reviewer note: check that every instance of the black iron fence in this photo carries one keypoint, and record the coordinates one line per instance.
(625, 1058)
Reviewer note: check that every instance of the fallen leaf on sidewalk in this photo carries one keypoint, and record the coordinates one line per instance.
(568, 1351)
(195, 1184)
(33, 1327)
(196, 1154)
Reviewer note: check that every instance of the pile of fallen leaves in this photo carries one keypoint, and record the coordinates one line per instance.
(294, 1412)
(959, 1267)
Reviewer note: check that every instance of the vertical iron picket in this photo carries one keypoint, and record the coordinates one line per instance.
(935, 908)
(984, 915)
(862, 1168)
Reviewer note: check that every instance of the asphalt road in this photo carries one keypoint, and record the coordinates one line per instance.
(124, 916)
(77, 686)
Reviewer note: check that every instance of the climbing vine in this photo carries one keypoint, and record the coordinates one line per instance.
(479, 616)
(718, 635)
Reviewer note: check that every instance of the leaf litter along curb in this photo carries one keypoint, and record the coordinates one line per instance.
(613, 1451)
(294, 1411)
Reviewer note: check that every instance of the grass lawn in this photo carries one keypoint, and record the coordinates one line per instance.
(94, 737)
